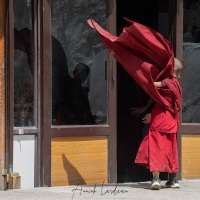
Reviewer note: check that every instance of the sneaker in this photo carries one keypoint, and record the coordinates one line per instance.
(155, 183)
(172, 184)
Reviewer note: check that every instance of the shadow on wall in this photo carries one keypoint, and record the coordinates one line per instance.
(74, 177)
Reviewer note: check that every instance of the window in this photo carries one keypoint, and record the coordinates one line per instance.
(24, 64)
(191, 52)
(79, 85)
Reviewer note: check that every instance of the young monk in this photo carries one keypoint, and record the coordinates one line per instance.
(158, 150)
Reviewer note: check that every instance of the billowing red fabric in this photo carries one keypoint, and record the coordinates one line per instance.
(147, 56)
(144, 53)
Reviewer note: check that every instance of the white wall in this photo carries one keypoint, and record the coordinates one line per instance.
(23, 159)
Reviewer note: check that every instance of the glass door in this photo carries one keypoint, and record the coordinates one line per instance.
(79, 93)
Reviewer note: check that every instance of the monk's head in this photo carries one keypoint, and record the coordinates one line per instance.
(178, 68)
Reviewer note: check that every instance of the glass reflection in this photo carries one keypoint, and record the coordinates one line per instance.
(79, 86)
(23, 64)
(191, 84)
(191, 52)
(191, 21)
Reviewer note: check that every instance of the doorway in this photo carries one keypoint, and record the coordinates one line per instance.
(154, 14)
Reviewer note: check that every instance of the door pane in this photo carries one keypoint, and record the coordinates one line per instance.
(24, 68)
(191, 52)
(79, 85)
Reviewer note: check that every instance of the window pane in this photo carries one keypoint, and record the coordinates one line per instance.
(191, 52)
(23, 64)
(79, 86)
(191, 83)
(191, 21)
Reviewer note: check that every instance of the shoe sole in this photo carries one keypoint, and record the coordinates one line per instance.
(175, 186)
(155, 186)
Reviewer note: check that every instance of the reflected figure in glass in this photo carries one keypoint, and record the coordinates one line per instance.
(75, 108)
(79, 82)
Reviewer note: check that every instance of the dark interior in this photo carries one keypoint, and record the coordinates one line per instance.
(130, 94)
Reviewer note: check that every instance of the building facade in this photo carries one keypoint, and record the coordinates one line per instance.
(65, 101)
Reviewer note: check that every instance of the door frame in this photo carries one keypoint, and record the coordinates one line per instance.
(11, 130)
(176, 38)
(49, 131)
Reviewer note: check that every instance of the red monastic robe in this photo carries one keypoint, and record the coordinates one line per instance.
(147, 56)
(158, 151)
